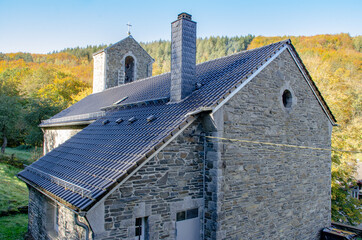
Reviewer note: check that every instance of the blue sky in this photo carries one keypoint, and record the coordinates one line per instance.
(41, 26)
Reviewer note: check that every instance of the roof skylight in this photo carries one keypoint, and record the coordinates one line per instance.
(151, 118)
(119, 120)
(132, 120)
(120, 100)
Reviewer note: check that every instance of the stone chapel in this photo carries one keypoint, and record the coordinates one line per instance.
(206, 151)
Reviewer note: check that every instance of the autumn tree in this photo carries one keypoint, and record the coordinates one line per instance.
(62, 90)
(357, 42)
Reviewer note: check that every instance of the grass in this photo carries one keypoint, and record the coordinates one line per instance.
(13, 192)
(13, 227)
(20, 156)
(25, 154)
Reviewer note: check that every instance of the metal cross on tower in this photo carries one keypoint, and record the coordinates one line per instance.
(129, 28)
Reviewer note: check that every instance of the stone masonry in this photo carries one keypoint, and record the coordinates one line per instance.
(269, 192)
(169, 183)
(109, 64)
(253, 191)
(41, 219)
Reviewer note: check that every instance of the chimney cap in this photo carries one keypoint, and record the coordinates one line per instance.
(184, 15)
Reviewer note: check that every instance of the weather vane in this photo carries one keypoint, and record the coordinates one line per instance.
(129, 28)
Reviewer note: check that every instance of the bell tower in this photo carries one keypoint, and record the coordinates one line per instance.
(122, 63)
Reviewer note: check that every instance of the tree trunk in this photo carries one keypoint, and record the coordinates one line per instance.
(5, 142)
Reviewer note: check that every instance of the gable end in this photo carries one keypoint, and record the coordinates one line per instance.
(302, 69)
(312, 85)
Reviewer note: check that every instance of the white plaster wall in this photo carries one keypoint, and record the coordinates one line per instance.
(54, 137)
(99, 72)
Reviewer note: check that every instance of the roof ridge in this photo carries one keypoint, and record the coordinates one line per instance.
(244, 51)
(237, 53)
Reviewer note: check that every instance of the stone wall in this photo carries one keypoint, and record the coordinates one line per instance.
(115, 60)
(170, 182)
(269, 192)
(53, 137)
(42, 219)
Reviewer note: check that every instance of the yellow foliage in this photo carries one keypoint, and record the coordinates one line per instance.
(156, 70)
(63, 90)
(82, 94)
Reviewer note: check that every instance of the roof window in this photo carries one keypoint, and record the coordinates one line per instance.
(151, 118)
(120, 100)
(105, 122)
(132, 120)
(119, 120)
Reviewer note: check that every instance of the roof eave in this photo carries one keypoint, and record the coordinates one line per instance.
(98, 52)
(63, 124)
(52, 196)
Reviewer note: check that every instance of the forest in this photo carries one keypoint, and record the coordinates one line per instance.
(33, 87)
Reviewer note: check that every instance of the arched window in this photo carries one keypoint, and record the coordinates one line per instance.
(128, 69)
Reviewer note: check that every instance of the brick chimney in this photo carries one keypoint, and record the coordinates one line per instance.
(183, 57)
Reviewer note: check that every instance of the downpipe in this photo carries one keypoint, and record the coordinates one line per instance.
(80, 224)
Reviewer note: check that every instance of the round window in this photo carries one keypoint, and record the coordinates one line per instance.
(287, 99)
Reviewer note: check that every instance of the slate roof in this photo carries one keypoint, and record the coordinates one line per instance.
(138, 91)
(87, 166)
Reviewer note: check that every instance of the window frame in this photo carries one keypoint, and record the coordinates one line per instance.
(187, 214)
(141, 228)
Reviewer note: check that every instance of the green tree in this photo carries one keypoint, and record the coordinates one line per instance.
(345, 208)
(36, 111)
(10, 106)
(10, 112)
